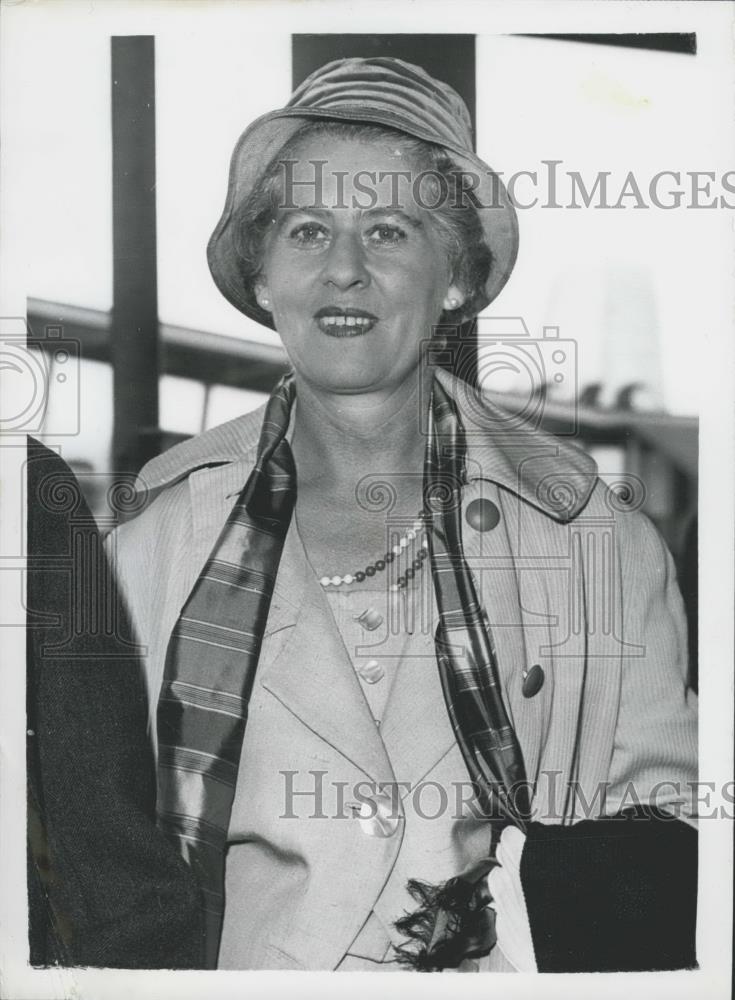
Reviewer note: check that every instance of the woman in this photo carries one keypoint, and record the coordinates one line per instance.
(380, 689)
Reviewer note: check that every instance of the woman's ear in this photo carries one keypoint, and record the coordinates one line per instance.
(263, 297)
(454, 298)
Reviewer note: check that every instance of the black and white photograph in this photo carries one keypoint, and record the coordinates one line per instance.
(366, 552)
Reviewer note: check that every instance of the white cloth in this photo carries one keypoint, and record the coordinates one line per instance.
(511, 916)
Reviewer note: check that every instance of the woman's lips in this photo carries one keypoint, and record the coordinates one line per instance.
(348, 322)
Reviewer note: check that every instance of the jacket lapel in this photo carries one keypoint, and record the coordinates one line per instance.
(539, 484)
(553, 476)
(213, 491)
(416, 729)
(312, 674)
(520, 626)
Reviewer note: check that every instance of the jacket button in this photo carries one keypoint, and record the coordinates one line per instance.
(378, 816)
(533, 680)
(369, 619)
(482, 515)
(371, 672)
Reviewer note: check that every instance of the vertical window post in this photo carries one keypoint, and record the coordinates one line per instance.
(134, 345)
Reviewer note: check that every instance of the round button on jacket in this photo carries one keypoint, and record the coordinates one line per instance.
(533, 680)
(482, 515)
(378, 816)
(371, 672)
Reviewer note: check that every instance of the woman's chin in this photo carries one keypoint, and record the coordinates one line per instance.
(347, 383)
(352, 381)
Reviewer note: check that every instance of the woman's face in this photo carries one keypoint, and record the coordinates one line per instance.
(354, 273)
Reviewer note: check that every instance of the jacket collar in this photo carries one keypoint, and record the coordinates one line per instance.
(552, 475)
(235, 441)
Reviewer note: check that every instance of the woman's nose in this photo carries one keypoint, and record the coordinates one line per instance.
(344, 266)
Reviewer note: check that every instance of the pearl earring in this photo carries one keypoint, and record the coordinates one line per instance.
(264, 301)
(454, 303)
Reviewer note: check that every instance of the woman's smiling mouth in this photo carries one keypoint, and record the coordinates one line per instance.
(348, 322)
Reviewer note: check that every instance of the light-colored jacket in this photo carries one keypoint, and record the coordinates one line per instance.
(571, 579)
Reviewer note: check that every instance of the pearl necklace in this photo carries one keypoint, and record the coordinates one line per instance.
(379, 565)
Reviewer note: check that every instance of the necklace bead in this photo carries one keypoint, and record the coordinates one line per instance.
(379, 565)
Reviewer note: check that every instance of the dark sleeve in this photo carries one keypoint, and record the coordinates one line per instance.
(615, 894)
(105, 887)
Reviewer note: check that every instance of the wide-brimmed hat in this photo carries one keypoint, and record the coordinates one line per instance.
(381, 91)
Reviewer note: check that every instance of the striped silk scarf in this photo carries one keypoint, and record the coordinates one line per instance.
(464, 644)
(211, 661)
(213, 654)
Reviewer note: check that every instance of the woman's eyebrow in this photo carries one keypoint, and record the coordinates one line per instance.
(283, 215)
(287, 211)
(395, 213)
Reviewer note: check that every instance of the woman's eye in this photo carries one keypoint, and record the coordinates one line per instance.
(386, 233)
(309, 234)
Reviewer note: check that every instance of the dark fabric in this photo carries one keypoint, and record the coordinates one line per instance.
(211, 661)
(105, 887)
(612, 895)
(452, 922)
